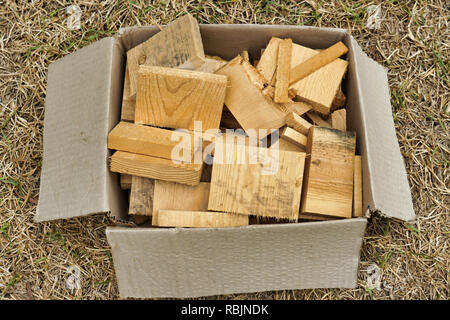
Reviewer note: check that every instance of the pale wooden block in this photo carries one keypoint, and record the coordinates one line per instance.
(283, 71)
(157, 142)
(156, 168)
(252, 108)
(285, 145)
(296, 122)
(317, 120)
(294, 137)
(317, 61)
(141, 196)
(212, 64)
(267, 64)
(339, 120)
(177, 45)
(320, 87)
(270, 189)
(175, 98)
(200, 219)
(357, 188)
(175, 196)
(328, 187)
(125, 181)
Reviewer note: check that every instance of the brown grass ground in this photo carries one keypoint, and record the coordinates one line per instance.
(412, 42)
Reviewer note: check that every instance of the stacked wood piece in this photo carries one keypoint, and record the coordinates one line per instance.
(290, 157)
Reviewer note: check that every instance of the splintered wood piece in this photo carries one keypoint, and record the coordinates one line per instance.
(298, 107)
(296, 122)
(175, 196)
(175, 98)
(269, 188)
(317, 120)
(285, 145)
(141, 196)
(268, 62)
(249, 105)
(283, 69)
(294, 137)
(156, 168)
(150, 141)
(339, 120)
(128, 100)
(328, 183)
(125, 181)
(245, 56)
(212, 64)
(177, 45)
(320, 87)
(200, 219)
(339, 100)
(317, 61)
(357, 188)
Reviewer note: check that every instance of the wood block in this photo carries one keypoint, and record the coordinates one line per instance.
(175, 196)
(320, 87)
(252, 108)
(156, 168)
(294, 137)
(150, 141)
(296, 122)
(212, 64)
(200, 219)
(317, 61)
(268, 188)
(339, 120)
(141, 196)
(328, 183)
(298, 107)
(285, 145)
(125, 181)
(175, 98)
(177, 45)
(357, 188)
(340, 99)
(128, 100)
(317, 120)
(267, 65)
(283, 71)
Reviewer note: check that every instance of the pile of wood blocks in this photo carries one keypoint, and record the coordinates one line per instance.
(287, 106)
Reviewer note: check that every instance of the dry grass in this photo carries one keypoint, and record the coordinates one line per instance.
(412, 43)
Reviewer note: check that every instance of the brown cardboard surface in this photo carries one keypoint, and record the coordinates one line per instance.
(75, 180)
(178, 262)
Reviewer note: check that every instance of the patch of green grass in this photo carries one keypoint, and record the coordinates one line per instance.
(415, 232)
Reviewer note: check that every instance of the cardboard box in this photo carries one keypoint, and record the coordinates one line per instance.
(83, 102)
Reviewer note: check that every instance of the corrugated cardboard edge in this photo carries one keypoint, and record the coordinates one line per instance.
(384, 169)
(186, 263)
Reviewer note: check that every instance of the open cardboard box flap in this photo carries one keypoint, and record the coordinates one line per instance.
(84, 94)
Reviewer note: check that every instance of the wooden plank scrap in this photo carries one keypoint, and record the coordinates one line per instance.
(268, 62)
(200, 219)
(296, 122)
(156, 168)
(268, 188)
(175, 196)
(157, 142)
(294, 137)
(283, 71)
(317, 120)
(177, 45)
(141, 196)
(339, 120)
(328, 184)
(317, 61)
(175, 98)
